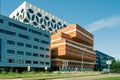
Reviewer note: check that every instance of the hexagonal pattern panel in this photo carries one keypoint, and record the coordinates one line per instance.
(37, 17)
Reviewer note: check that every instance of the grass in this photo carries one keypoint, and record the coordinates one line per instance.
(110, 78)
(9, 75)
(32, 74)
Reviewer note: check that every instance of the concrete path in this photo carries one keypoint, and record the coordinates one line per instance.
(91, 77)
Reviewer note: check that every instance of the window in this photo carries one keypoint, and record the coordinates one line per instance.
(20, 61)
(28, 61)
(11, 60)
(47, 49)
(24, 36)
(30, 10)
(17, 26)
(35, 47)
(41, 62)
(41, 55)
(41, 48)
(47, 56)
(28, 45)
(28, 53)
(35, 32)
(1, 21)
(35, 54)
(35, 62)
(10, 42)
(46, 35)
(7, 32)
(20, 52)
(20, 44)
(45, 42)
(36, 39)
(47, 63)
(10, 51)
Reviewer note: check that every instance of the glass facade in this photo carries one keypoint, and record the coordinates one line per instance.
(101, 59)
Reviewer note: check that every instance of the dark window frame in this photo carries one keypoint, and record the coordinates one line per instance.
(17, 26)
(35, 54)
(28, 45)
(20, 44)
(10, 42)
(10, 51)
(20, 52)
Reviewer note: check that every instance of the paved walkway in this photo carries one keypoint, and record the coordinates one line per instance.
(91, 77)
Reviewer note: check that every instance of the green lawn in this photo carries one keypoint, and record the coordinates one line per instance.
(111, 78)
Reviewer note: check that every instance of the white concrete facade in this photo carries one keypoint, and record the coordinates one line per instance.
(38, 18)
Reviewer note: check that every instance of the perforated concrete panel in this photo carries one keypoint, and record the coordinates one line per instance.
(37, 17)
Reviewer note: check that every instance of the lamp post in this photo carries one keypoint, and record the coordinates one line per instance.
(82, 59)
(108, 62)
(28, 68)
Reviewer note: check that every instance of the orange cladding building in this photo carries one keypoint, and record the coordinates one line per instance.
(72, 49)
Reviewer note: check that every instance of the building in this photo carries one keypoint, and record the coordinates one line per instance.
(38, 18)
(101, 59)
(22, 45)
(72, 49)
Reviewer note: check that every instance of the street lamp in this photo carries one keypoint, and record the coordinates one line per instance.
(28, 68)
(108, 62)
(82, 59)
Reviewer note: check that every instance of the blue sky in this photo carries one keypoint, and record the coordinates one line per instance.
(100, 17)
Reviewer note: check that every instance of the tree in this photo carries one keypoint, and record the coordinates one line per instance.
(115, 66)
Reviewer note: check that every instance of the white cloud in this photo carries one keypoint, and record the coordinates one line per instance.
(108, 22)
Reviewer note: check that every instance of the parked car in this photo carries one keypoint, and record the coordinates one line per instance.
(105, 71)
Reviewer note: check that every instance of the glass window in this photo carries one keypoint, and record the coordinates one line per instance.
(47, 18)
(41, 55)
(20, 52)
(41, 62)
(45, 42)
(47, 49)
(28, 53)
(36, 39)
(28, 61)
(47, 63)
(10, 51)
(35, 54)
(46, 35)
(41, 48)
(30, 10)
(17, 26)
(22, 10)
(20, 61)
(35, 47)
(1, 21)
(24, 36)
(7, 32)
(53, 21)
(10, 33)
(35, 32)
(39, 14)
(28, 45)
(35, 62)
(47, 56)
(20, 44)
(10, 42)
(11, 60)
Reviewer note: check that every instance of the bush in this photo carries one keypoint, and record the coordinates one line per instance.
(115, 66)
